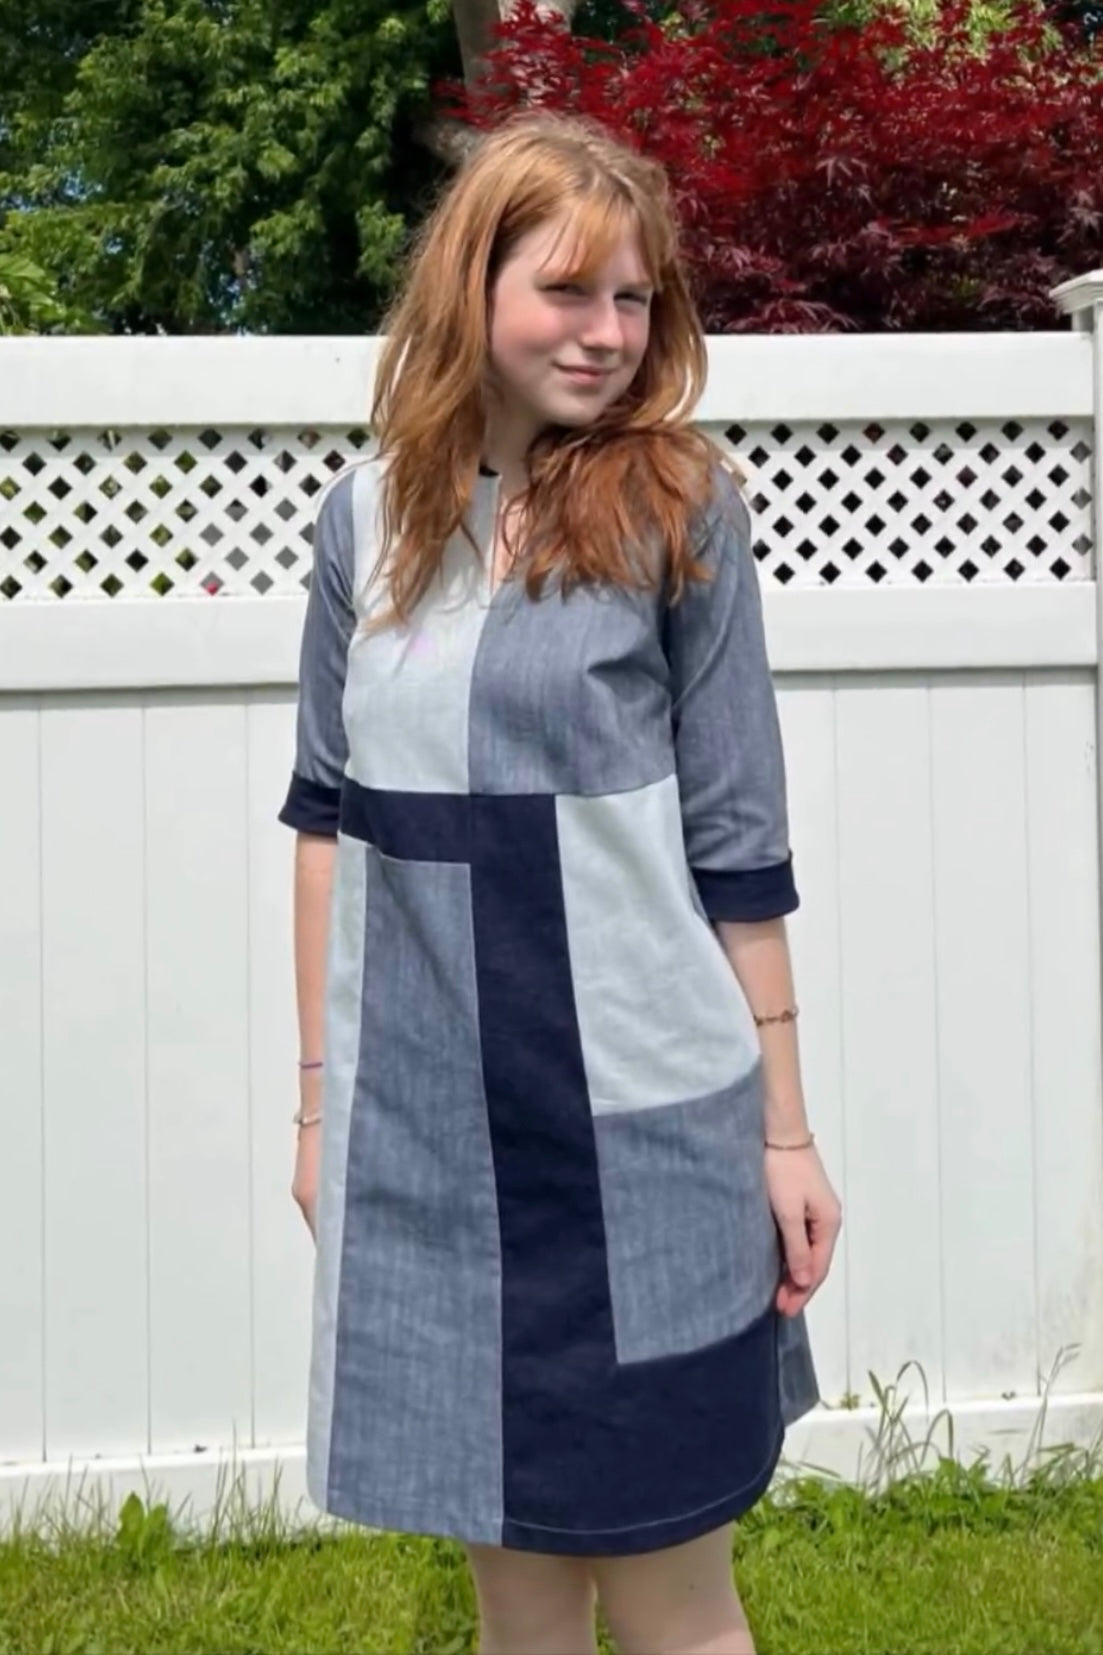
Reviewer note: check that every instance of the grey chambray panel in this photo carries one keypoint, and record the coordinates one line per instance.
(416, 1439)
(345, 969)
(797, 1383)
(730, 762)
(321, 747)
(691, 1241)
(661, 1015)
(569, 694)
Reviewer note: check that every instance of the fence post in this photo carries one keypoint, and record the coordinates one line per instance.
(1081, 299)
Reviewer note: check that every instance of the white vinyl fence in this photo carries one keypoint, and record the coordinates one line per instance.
(929, 531)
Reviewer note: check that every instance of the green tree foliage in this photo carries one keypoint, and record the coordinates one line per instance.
(215, 165)
(28, 299)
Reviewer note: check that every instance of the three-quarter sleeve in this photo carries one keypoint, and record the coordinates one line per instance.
(321, 746)
(727, 738)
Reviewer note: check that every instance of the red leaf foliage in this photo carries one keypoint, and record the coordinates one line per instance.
(838, 177)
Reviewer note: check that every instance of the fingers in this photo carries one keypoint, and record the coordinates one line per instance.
(796, 1283)
(808, 1244)
(797, 1248)
(791, 1301)
(794, 1293)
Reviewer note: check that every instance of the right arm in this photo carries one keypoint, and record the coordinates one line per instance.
(314, 859)
(313, 801)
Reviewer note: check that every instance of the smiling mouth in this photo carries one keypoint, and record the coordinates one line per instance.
(584, 373)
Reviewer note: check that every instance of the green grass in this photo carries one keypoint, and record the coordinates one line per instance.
(926, 1556)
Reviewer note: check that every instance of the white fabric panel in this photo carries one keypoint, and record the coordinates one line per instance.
(407, 694)
(646, 962)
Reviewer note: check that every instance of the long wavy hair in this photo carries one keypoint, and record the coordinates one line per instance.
(602, 498)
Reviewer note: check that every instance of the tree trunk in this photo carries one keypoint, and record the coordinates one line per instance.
(475, 21)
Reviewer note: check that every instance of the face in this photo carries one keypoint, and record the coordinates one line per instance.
(562, 351)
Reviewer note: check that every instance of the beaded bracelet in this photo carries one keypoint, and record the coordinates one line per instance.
(789, 1016)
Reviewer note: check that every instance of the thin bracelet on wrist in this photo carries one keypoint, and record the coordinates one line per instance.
(788, 1016)
(299, 1118)
(806, 1144)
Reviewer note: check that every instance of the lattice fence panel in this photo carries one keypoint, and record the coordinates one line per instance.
(156, 513)
(159, 513)
(942, 502)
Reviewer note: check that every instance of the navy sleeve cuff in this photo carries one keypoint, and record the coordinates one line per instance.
(749, 895)
(311, 808)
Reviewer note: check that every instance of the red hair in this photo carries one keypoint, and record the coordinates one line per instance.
(601, 495)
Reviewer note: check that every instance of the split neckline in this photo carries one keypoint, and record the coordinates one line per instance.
(490, 589)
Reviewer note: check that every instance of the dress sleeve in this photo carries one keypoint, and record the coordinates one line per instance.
(727, 738)
(321, 746)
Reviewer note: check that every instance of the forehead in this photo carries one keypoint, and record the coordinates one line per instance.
(580, 243)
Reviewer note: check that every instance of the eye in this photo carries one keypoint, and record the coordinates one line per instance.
(578, 290)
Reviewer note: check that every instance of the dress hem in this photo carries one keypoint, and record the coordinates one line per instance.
(512, 1534)
(645, 1537)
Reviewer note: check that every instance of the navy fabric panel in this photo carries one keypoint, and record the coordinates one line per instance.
(749, 894)
(555, 1292)
(310, 807)
(697, 1437)
(416, 827)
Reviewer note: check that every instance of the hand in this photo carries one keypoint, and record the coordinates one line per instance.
(809, 1217)
(304, 1184)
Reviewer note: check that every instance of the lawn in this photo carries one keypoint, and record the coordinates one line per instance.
(945, 1559)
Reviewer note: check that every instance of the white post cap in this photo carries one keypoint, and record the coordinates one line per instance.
(1077, 298)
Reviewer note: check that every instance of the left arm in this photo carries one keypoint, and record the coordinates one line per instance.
(731, 780)
(759, 956)
(805, 1207)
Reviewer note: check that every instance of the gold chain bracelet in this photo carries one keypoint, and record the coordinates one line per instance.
(789, 1016)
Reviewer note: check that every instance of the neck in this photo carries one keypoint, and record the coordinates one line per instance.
(506, 442)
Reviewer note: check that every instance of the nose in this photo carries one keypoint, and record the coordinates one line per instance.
(602, 326)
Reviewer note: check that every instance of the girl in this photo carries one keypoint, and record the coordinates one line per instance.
(555, 1156)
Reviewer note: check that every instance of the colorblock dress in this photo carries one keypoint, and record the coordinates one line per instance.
(543, 1311)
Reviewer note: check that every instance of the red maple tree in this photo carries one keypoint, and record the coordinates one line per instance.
(834, 176)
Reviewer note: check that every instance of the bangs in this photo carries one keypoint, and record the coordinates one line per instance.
(596, 227)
